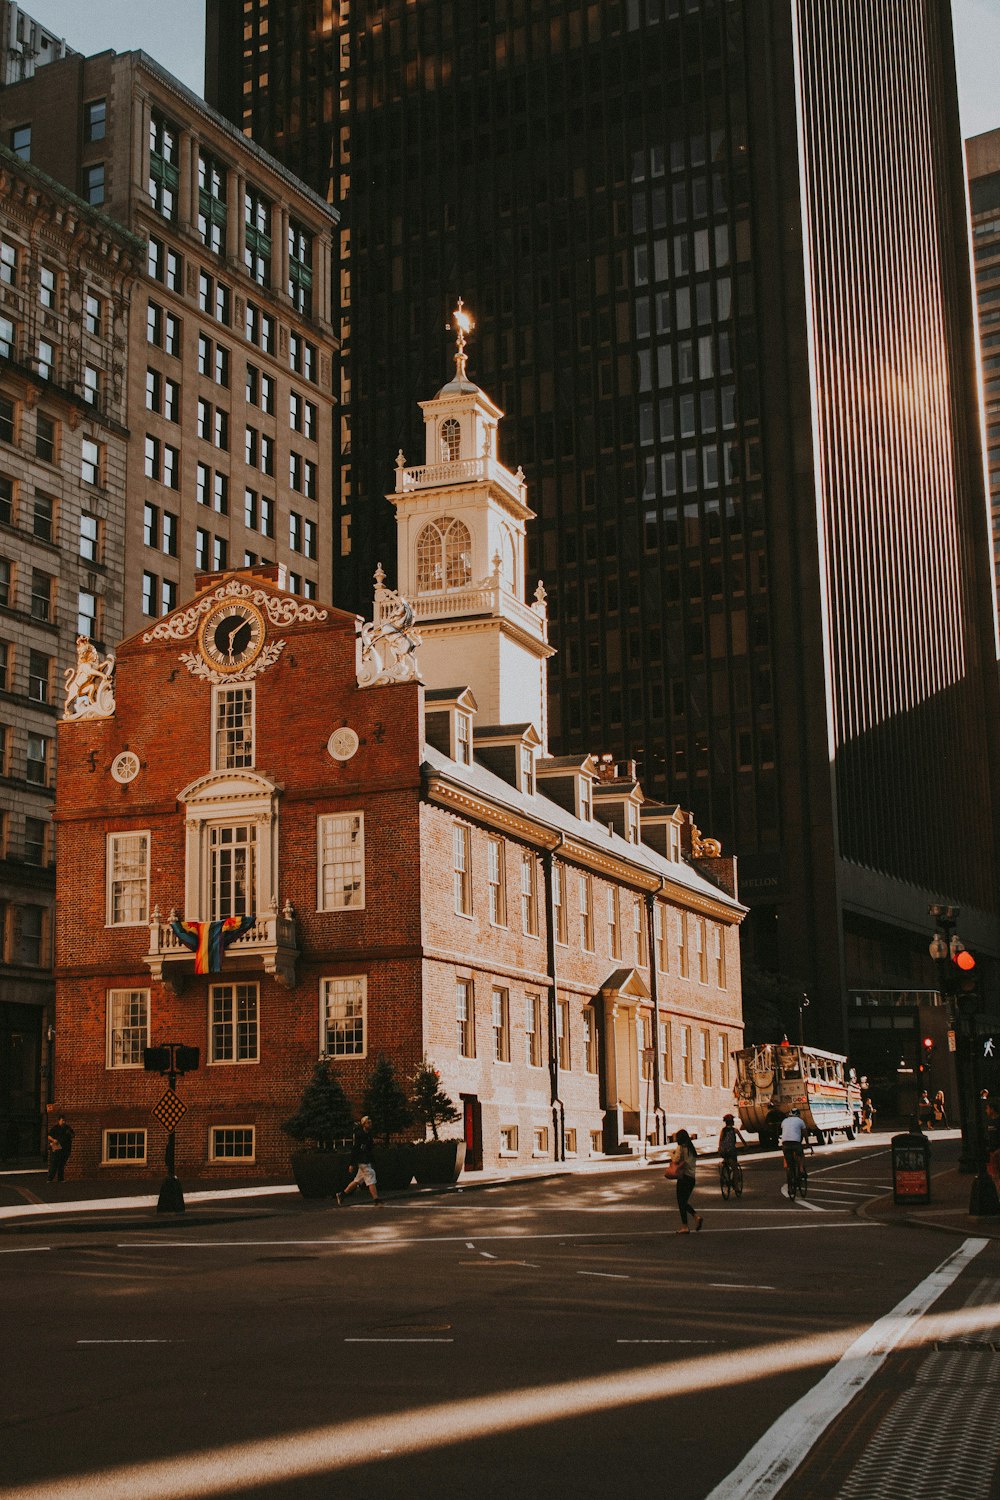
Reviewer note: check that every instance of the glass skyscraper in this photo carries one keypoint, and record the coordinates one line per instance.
(716, 250)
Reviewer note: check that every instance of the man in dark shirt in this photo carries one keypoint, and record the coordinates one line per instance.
(60, 1145)
(361, 1155)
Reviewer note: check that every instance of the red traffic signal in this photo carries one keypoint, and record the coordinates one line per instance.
(928, 1044)
(965, 961)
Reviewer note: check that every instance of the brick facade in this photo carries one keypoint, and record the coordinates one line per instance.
(403, 935)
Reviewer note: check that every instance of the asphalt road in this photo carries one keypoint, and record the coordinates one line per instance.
(551, 1338)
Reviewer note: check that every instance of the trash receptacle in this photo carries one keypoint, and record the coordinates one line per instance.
(911, 1168)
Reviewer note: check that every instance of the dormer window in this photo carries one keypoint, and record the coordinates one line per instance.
(586, 799)
(444, 556)
(463, 739)
(632, 822)
(674, 843)
(451, 440)
(527, 770)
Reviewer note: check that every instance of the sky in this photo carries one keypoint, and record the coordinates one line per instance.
(174, 33)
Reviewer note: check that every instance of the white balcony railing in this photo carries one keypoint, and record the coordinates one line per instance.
(270, 946)
(462, 471)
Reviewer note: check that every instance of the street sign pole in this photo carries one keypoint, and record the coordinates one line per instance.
(170, 1060)
(171, 1199)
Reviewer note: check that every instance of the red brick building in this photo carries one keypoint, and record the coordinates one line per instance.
(423, 878)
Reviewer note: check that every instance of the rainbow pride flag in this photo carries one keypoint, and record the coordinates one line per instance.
(209, 940)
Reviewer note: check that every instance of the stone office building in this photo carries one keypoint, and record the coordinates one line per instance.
(232, 344)
(66, 273)
(415, 874)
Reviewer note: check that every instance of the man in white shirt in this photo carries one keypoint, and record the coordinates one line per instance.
(793, 1136)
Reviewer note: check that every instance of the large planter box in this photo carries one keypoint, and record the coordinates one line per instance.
(438, 1161)
(393, 1166)
(320, 1174)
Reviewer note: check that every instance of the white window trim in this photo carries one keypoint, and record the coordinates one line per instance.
(231, 1062)
(110, 1065)
(125, 1161)
(231, 1161)
(498, 842)
(224, 799)
(321, 819)
(502, 1031)
(217, 692)
(464, 831)
(109, 869)
(512, 1149)
(324, 1037)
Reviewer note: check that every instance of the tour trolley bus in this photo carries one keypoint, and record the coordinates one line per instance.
(774, 1078)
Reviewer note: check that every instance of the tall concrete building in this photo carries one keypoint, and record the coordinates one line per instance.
(232, 345)
(717, 255)
(983, 158)
(66, 278)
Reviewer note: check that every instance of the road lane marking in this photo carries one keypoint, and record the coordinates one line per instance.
(279, 1458)
(607, 1275)
(452, 1239)
(741, 1286)
(668, 1341)
(25, 1249)
(772, 1460)
(803, 1201)
(130, 1341)
(399, 1341)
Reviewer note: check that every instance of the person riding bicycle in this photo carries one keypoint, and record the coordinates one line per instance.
(793, 1138)
(729, 1139)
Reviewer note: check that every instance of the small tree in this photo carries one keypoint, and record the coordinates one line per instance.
(431, 1104)
(324, 1114)
(385, 1101)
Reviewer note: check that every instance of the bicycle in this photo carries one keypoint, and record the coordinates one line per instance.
(730, 1177)
(796, 1177)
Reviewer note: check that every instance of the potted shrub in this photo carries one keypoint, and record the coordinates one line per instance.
(435, 1160)
(322, 1123)
(390, 1113)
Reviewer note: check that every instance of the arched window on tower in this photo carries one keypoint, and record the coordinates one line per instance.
(507, 558)
(451, 440)
(444, 555)
(457, 556)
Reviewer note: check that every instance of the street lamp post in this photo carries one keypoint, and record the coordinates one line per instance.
(945, 947)
(803, 1003)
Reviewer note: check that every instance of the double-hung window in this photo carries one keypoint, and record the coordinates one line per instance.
(559, 902)
(496, 881)
(127, 879)
(257, 236)
(639, 931)
(501, 1025)
(533, 1030)
(585, 889)
(341, 843)
(234, 727)
(465, 1017)
(234, 1029)
(563, 1035)
(462, 868)
(529, 894)
(614, 929)
(128, 1027)
(300, 267)
(344, 1015)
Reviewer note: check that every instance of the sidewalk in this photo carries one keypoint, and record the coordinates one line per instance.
(29, 1203)
(948, 1208)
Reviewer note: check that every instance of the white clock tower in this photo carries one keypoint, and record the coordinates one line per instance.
(461, 558)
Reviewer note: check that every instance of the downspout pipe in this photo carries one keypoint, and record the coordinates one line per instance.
(555, 1103)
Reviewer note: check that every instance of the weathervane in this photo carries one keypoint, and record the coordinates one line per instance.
(462, 324)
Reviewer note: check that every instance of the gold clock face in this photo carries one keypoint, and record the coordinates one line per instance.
(231, 636)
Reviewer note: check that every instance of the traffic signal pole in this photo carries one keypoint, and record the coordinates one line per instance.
(171, 1060)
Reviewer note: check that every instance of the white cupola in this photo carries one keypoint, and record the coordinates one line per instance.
(461, 557)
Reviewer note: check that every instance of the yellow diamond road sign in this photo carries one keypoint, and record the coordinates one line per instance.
(169, 1110)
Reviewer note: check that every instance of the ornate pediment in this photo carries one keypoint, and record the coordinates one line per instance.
(281, 610)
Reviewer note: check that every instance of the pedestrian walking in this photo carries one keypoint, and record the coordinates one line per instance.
(60, 1146)
(683, 1169)
(940, 1113)
(362, 1147)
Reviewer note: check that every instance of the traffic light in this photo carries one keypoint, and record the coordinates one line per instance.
(965, 963)
(927, 1046)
